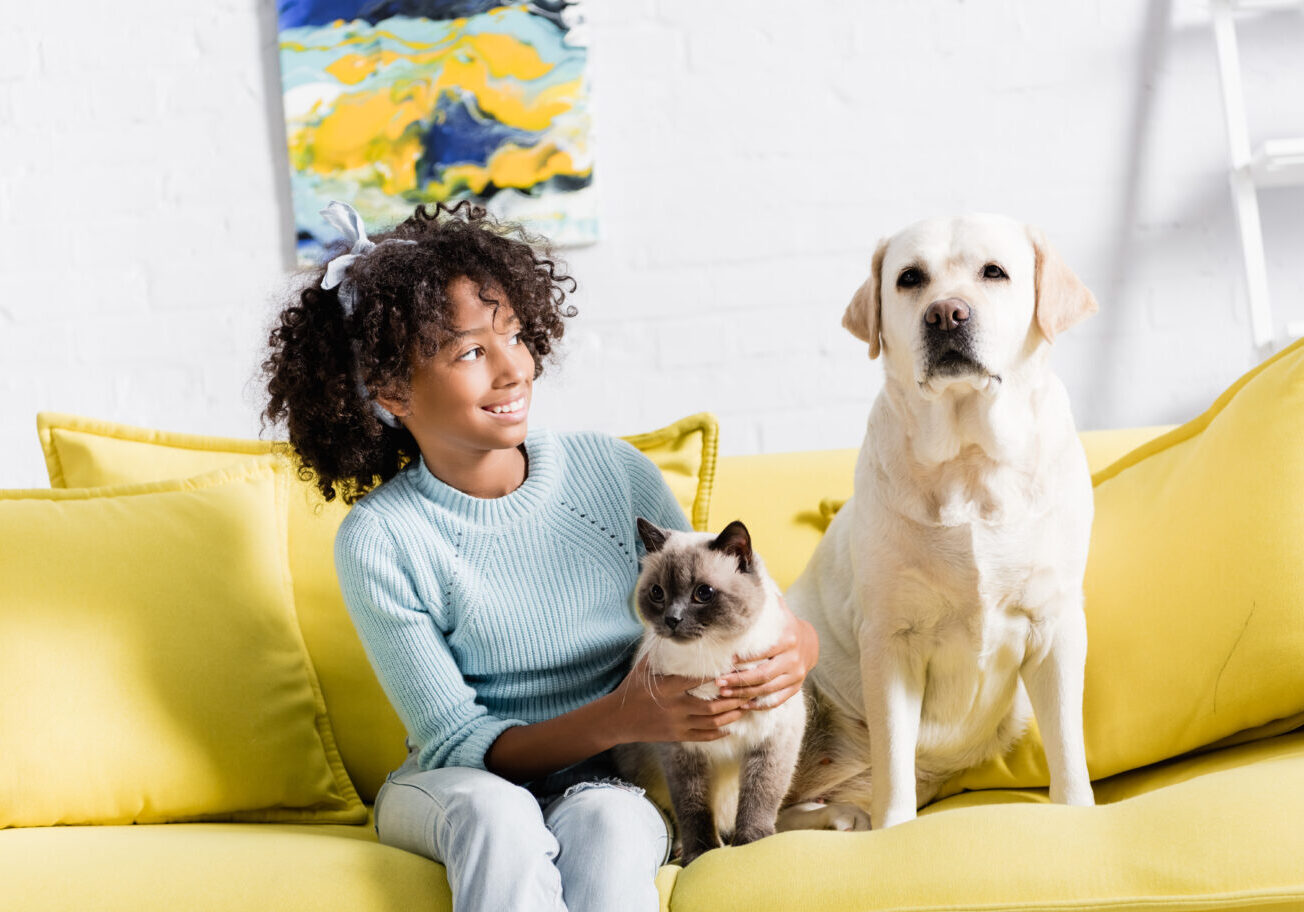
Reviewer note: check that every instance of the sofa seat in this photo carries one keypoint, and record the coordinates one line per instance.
(1221, 830)
(213, 866)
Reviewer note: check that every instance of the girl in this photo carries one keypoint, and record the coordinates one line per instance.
(488, 568)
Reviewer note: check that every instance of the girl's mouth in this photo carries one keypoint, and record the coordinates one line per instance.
(506, 408)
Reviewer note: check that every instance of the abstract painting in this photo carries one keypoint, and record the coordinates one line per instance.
(392, 103)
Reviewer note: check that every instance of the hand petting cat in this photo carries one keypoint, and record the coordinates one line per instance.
(781, 670)
(650, 707)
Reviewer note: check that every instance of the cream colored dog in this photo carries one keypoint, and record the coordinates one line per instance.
(952, 580)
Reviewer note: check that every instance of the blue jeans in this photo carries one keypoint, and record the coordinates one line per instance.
(578, 841)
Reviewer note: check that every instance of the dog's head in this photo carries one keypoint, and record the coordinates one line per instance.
(964, 300)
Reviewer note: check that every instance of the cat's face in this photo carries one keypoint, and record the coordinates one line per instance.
(694, 585)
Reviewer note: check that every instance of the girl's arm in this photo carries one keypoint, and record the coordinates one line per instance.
(645, 707)
(408, 652)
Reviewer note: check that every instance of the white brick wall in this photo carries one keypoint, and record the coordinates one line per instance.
(749, 157)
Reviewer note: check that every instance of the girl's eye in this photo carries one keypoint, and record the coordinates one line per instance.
(471, 354)
(703, 594)
(911, 278)
(515, 339)
(993, 271)
(658, 594)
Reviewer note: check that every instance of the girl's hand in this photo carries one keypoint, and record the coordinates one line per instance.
(783, 669)
(652, 707)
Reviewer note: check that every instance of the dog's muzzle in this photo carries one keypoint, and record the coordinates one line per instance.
(949, 340)
(949, 336)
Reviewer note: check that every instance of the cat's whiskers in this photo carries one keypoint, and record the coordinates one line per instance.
(649, 650)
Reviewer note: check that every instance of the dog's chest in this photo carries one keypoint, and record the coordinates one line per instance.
(970, 598)
(955, 574)
(973, 488)
(974, 619)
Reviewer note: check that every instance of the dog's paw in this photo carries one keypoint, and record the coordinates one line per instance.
(816, 815)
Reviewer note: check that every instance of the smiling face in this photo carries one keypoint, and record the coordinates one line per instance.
(473, 395)
(958, 301)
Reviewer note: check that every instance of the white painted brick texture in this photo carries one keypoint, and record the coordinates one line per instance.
(749, 157)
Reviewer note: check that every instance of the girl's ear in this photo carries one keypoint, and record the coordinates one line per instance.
(399, 408)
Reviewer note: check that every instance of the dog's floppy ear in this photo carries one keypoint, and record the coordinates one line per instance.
(1062, 299)
(861, 318)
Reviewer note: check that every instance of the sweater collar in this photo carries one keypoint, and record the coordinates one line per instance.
(540, 480)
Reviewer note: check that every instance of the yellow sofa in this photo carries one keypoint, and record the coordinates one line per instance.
(1192, 818)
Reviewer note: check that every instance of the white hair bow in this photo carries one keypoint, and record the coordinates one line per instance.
(346, 220)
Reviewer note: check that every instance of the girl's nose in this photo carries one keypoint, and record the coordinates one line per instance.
(512, 368)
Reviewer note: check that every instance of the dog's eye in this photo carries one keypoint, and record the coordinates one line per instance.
(993, 271)
(911, 278)
(657, 594)
(703, 594)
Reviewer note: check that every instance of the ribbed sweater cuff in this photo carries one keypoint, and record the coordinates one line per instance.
(471, 752)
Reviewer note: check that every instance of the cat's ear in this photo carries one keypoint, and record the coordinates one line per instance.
(735, 540)
(654, 539)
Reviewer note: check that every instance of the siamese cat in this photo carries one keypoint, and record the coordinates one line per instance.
(704, 600)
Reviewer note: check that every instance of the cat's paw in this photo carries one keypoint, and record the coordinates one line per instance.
(694, 850)
(750, 834)
(688, 858)
(816, 815)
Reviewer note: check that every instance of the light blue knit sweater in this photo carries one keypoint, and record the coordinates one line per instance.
(480, 614)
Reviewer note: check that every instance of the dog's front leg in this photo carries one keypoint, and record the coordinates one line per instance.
(892, 672)
(1054, 680)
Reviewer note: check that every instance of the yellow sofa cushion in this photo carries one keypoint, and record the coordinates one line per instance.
(85, 452)
(1219, 831)
(150, 660)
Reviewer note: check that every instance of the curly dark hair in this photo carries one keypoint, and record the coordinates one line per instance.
(401, 315)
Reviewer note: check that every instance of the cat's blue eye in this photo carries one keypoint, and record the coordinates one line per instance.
(657, 593)
(703, 594)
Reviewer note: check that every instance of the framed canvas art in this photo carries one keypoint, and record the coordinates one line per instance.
(392, 103)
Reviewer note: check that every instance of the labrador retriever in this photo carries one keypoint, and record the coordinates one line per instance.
(947, 592)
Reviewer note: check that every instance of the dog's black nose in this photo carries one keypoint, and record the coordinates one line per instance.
(946, 315)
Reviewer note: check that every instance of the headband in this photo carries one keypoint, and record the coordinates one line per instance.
(345, 219)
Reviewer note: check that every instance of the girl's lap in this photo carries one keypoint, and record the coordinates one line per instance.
(423, 810)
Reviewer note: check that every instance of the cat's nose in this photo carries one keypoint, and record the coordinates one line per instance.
(672, 622)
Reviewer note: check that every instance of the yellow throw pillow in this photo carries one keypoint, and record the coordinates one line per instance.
(150, 660)
(685, 452)
(84, 452)
(1194, 587)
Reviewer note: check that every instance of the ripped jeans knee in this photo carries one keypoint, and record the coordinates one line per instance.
(610, 814)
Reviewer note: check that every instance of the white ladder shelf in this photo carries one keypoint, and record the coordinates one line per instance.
(1274, 163)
